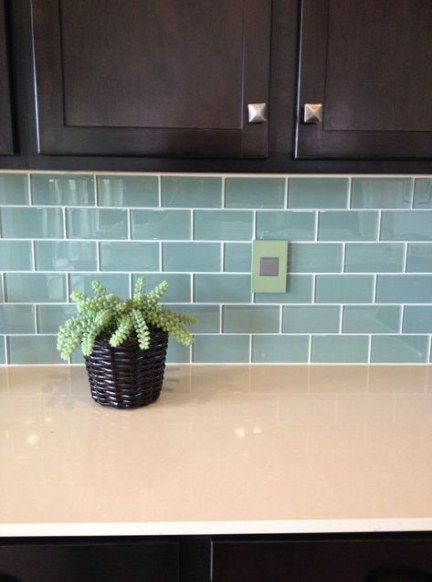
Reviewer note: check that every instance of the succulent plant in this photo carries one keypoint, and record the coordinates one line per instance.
(106, 315)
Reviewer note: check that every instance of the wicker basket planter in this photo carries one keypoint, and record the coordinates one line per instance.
(127, 376)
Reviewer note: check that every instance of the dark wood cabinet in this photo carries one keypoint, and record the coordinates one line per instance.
(369, 64)
(155, 78)
(89, 561)
(6, 138)
(323, 560)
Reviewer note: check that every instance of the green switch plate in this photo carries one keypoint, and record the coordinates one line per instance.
(269, 266)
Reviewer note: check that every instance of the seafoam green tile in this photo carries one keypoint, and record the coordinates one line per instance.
(96, 223)
(208, 317)
(299, 290)
(35, 287)
(404, 288)
(237, 257)
(179, 285)
(177, 353)
(191, 256)
(65, 255)
(411, 226)
(374, 258)
(161, 224)
(280, 349)
(33, 349)
(423, 193)
(350, 225)
(338, 349)
(310, 319)
(285, 225)
(215, 349)
(15, 255)
(250, 319)
(62, 189)
(128, 191)
(254, 192)
(13, 189)
(191, 192)
(224, 288)
(417, 319)
(381, 193)
(222, 225)
(344, 288)
(400, 349)
(129, 256)
(16, 319)
(31, 223)
(317, 192)
(419, 258)
(2, 351)
(116, 283)
(50, 317)
(371, 319)
(312, 258)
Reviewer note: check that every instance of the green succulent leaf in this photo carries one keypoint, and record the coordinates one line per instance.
(106, 315)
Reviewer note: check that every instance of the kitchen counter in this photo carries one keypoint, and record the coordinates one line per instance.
(227, 449)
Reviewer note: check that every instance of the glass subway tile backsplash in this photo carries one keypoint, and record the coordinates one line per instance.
(359, 281)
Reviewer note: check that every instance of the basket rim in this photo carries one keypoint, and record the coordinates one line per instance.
(130, 341)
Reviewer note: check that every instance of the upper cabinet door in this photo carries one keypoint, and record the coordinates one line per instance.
(6, 140)
(160, 78)
(368, 64)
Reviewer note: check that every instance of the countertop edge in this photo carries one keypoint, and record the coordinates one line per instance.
(215, 527)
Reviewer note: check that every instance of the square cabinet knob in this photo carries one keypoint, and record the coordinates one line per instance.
(313, 113)
(257, 112)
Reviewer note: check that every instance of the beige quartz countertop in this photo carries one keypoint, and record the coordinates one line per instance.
(227, 449)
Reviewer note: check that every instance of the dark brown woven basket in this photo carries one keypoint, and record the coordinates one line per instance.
(127, 376)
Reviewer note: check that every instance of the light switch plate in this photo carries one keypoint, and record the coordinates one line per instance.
(269, 266)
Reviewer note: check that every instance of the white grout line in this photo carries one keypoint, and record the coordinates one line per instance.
(341, 317)
(309, 356)
(405, 258)
(129, 224)
(223, 193)
(33, 255)
(6, 349)
(95, 191)
(29, 190)
(349, 197)
(316, 226)
(159, 179)
(343, 265)
(192, 224)
(369, 349)
(401, 318)
(35, 319)
(374, 290)
(98, 259)
(379, 226)
(64, 222)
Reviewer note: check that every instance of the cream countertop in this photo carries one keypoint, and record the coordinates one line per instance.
(227, 449)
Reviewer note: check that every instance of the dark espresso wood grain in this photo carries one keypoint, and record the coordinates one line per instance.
(369, 64)
(154, 78)
(6, 137)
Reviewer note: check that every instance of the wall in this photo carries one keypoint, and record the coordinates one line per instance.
(360, 261)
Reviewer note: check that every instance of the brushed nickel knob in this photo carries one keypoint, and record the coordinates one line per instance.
(257, 112)
(313, 113)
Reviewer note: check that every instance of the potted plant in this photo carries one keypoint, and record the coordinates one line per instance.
(124, 343)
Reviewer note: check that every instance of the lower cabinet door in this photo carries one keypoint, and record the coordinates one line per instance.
(93, 561)
(361, 560)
